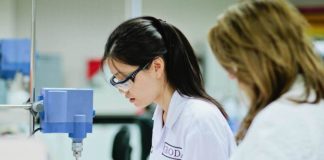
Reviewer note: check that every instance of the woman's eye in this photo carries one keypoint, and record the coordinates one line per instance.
(119, 78)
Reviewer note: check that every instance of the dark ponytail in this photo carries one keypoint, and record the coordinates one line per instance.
(140, 40)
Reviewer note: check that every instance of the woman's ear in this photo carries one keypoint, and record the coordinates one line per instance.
(232, 72)
(158, 67)
(231, 76)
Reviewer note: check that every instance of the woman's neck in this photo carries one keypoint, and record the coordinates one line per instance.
(164, 100)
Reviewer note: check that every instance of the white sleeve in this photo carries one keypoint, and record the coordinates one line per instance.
(206, 145)
(273, 137)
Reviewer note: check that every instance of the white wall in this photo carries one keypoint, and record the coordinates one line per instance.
(7, 19)
(75, 29)
(78, 29)
(192, 17)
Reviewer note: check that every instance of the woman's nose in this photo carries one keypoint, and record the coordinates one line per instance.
(124, 92)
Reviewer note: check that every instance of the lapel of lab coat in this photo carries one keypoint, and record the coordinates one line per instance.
(175, 109)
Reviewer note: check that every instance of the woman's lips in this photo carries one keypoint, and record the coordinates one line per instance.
(132, 100)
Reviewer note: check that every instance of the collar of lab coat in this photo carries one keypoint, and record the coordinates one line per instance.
(174, 110)
(297, 91)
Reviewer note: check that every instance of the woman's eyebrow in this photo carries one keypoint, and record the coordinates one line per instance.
(120, 74)
(118, 71)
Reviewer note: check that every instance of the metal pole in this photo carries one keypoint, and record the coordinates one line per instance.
(9, 106)
(32, 65)
(133, 8)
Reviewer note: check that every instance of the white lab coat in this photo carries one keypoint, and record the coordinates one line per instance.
(285, 130)
(194, 130)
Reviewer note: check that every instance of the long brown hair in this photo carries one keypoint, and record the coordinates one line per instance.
(264, 44)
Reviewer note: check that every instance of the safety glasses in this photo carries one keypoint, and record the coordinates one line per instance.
(125, 84)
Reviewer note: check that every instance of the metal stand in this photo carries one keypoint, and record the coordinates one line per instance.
(32, 75)
(9, 106)
(32, 66)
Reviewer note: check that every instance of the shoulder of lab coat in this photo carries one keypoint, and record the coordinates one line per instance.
(196, 124)
(209, 137)
(285, 130)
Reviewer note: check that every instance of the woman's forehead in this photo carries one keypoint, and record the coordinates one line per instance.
(119, 67)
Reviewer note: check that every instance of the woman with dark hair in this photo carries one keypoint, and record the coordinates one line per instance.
(153, 62)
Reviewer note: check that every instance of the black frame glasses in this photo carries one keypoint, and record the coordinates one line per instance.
(131, 76)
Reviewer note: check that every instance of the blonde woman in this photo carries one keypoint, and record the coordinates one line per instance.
(263, 44)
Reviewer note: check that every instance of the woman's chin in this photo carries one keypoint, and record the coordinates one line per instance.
(139, 105)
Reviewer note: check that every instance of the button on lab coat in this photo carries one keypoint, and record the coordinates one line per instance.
(286, 130)
(194, 130)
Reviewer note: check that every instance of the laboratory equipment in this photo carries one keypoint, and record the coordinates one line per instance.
(14, 57)
(60, 110)
(66, 110)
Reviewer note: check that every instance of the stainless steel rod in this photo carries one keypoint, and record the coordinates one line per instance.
(32, 65)
(12, 106)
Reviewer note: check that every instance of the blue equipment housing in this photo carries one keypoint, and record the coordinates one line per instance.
(14, 57)
(67, 111)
